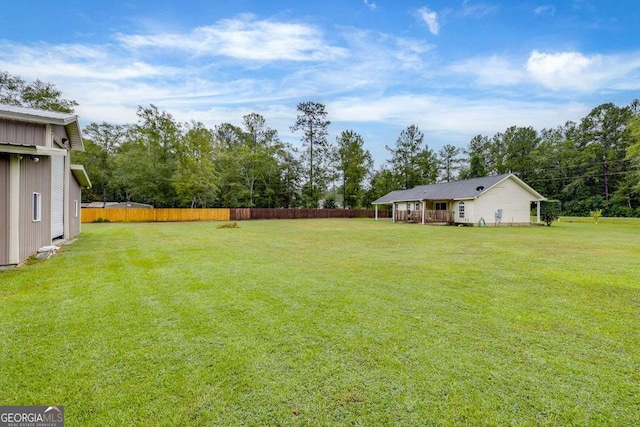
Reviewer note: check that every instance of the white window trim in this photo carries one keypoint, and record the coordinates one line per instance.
(75, 209)
(36, 213)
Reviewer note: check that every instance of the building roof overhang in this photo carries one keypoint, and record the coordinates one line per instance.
(31, 150)
(31, 115)
(80, 174)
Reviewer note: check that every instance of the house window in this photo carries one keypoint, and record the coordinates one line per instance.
(37, 207)
(441, 206)
(461, 210)
(417, 206)
(75, 209)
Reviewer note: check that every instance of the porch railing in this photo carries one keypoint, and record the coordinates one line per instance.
(430, 216)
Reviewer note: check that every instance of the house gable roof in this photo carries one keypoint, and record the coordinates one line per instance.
(32, 115)
(454, 190)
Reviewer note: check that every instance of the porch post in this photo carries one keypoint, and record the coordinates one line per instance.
(424, 205)
(538, 211)
(376, 212)
(393, 212)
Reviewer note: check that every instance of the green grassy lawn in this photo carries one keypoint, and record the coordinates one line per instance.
(329, 322)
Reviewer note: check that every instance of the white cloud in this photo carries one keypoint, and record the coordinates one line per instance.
(544, 10)
(210, 74)
(48, 62)
(493, 71)
(578, 72)
(110, 81)
(395, 59)
(562, 71)
(371, 5)
(402, 53)
(244, 38)
(478, 10)
(430, 18)
(445, 119)
(446, 114)
(565, 70)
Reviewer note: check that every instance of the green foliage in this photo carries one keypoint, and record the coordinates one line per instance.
(101, 144)
(318, 153)
(477, 158)
(45, 96)
(411, 163)
(354, 164)
(550, 210)
(147, 162)
(520, 143)
(633, 157)
(41, 95)
(256, 169)
(100, 219)
(595, 215)
(604, 140)
(449, 162)
(329, 202)
(11, 88)
(383, 181)
(195, 177)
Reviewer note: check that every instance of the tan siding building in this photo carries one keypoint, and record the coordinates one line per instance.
(39, 188)
(75, 200)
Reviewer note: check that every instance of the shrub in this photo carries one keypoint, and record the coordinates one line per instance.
(229, 225)
(330, 202)
(549, 211)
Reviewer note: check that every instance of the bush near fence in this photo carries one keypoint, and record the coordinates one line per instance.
(221, 214)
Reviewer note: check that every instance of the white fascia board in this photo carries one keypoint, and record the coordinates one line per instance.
(81, 176)
(32, 150)
(17, 149)
(52, 151)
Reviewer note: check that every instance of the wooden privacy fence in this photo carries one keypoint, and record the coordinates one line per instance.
(239, 214)
(221, 214)
(153, 215)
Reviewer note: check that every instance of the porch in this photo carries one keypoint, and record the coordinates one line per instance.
(424, 216)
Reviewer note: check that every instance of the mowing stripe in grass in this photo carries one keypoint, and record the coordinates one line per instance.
(329, 322)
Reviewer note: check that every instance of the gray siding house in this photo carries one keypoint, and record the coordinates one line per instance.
(39, 187)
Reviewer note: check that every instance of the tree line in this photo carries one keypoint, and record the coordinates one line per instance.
(166, 163)
(592, 164)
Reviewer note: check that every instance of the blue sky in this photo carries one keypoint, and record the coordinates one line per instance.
(455, 68)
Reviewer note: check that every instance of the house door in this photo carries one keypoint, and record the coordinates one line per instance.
(57, 196)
